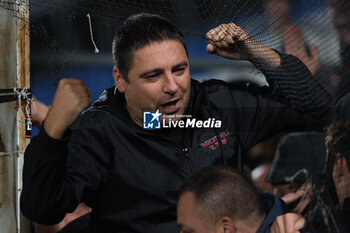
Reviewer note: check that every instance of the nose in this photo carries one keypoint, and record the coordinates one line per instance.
(170, 85)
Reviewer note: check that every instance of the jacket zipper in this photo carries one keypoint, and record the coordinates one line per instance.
(185, 151)
(189, 159)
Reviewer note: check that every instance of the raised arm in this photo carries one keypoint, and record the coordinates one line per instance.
(289, 79)
(52, 184)
(71, 98)
(232, 42)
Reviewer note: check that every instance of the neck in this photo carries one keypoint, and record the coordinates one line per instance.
(133, 117)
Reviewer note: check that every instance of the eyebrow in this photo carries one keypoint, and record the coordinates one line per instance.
(184, 63)
(153, 71)
(159, 70)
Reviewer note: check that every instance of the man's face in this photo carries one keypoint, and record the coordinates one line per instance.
(189, 218)
(159, 78)
(278, 12)
(341, 22)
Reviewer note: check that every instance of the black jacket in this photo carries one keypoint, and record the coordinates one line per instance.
(344, 216)
(131, 176)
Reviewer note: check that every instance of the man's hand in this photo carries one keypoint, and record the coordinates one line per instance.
(39, 112)
(342, 185)
(71, 98)
(288, 223)
(301, 196)
(81, 210)
(341, 178)
(295, 45)
(231, 41)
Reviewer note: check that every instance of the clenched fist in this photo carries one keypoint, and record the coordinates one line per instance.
(71, 98)
(231, 41)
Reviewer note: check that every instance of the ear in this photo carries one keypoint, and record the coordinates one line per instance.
(225, 225)
(119, 79)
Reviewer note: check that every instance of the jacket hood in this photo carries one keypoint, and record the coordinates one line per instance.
(274, 207)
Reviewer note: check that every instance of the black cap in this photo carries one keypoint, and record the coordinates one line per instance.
(300, 155)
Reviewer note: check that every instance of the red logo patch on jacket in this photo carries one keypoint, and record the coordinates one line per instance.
(213, 143)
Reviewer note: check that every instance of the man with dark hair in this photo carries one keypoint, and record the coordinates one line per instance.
(222, 200)
(129, 39)
(131, 175)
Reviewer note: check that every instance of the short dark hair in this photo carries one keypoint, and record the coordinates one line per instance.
(225, 192)
(138, 31)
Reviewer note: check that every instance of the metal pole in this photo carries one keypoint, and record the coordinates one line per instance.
(14, 74)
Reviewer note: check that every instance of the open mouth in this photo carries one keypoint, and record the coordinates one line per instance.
(170, 107)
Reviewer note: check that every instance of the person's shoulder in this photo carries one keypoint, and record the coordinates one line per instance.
(217, 92)
(214, 84)
(220, 87)
(91, 119)
(99, 112)
(215, 87)
(106, 98)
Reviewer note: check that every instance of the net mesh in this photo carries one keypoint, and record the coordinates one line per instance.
(60, 28)
(316, 31)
